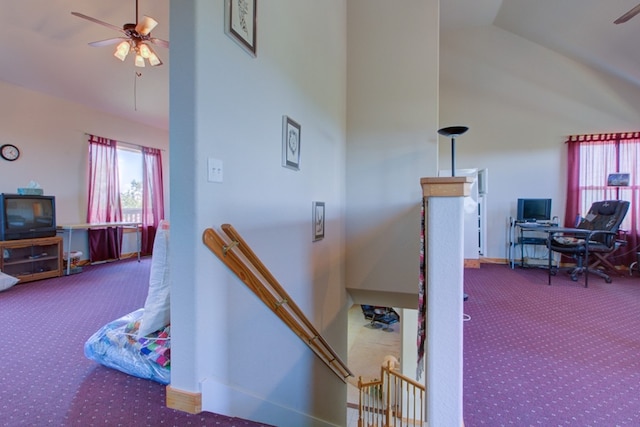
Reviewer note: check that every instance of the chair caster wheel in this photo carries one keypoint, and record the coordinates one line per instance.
(608, 280)
(574, 278)
(553, 273)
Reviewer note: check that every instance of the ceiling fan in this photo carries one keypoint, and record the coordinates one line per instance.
(136, 37)
(630, 14)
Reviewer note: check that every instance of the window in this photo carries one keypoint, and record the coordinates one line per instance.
(125, 185)
(591, 158)
(130, 180)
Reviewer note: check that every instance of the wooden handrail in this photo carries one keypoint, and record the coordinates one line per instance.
(236, 254)
(390, 401)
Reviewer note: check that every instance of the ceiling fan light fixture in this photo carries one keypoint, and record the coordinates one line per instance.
(122, 50)
(139, 60)
(144, 50)
(137, 37)
(146, 25)
(154, 60)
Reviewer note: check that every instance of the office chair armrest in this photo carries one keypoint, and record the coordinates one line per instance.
(568, 232)
(569, 236)
(610, 237)
(597, 232)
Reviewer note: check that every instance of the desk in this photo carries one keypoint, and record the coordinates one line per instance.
(524, 234)
(85, 226)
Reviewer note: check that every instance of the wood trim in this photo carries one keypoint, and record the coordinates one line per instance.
(471, 263)
(185, 401)
(485, 260)
(453, 186)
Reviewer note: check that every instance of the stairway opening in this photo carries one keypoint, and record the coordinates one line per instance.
(368, 344)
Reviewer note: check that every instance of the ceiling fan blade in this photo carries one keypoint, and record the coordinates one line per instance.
(159, 42)
(624, 18)
(146, 25)
(97, 21)
(108, 42)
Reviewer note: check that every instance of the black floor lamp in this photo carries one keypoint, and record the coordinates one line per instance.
(453, 132)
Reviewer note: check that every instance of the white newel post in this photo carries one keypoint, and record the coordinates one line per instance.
(444, 259)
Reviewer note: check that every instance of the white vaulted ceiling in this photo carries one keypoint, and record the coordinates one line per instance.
(44, 48)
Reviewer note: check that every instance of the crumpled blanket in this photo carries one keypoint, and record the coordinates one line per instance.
(116, 346)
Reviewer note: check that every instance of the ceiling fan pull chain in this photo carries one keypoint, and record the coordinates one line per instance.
(135, 90)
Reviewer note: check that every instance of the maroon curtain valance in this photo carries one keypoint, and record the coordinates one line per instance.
(104, 141)
(603, 137)
(151, 150)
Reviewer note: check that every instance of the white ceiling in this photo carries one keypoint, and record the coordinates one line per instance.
(581, 29)
(43, 47)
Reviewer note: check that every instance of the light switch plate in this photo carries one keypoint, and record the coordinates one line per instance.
(214, 170)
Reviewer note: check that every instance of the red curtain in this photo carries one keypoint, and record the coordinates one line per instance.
(104, 199)
(152, 197)
(591, 158)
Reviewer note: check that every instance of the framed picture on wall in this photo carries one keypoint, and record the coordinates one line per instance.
(318, 221)
(240, 23)
(290, 143)
(618, 179)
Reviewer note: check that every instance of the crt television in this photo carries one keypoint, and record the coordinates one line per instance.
(532, 210)
(27, 217)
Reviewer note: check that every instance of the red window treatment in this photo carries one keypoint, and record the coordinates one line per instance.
(104, 199)
(591, 158)
(152, 196)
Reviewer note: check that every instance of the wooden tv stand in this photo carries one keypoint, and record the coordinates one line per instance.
(32, 259)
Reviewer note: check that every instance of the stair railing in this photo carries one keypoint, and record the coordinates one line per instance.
(394, 400)
(236, 254)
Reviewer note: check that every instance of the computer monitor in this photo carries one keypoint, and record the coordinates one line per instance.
(534, 210)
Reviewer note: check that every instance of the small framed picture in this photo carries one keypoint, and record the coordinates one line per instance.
(290, 143)
(618, 179)
(318, 221)
(240, 23)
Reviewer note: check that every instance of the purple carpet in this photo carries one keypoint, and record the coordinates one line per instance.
(45, 378)
(550, 355)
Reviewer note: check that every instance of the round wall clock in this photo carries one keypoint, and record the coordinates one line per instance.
(9, 152)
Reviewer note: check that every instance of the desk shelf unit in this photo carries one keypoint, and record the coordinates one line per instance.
(32, 259)
(521, 238)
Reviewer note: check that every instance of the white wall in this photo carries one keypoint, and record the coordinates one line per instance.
(392, 142)
(520, 101)
(50, 133)
(229, 105)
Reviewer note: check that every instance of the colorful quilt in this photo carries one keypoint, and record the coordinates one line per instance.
(117, 346)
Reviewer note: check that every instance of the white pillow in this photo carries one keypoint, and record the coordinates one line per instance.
(156, 308)
(7, 281)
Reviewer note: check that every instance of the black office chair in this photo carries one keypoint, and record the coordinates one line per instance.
(596, 233)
